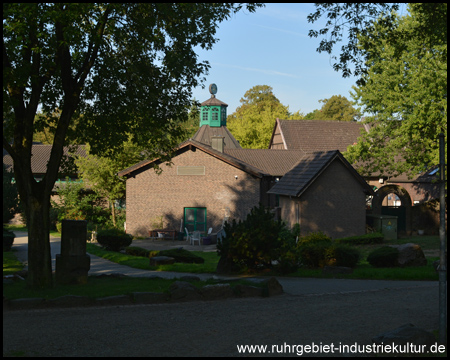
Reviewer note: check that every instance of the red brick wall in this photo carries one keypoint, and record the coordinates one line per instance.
(150, 196)
(333, 204)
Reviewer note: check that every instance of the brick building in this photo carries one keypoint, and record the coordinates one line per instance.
(397, 195)
(212, 178)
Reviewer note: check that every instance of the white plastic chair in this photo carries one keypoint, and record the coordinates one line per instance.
(188, 237)
(195, 237)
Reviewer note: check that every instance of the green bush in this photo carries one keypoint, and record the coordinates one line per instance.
(8, 239)
(312, 248)
(313, 238)
(137, 251)
(342, 255)
(114, 239)
(182, 256)
(253, 243)
(373, 238)
(385, 256)
(314, 254)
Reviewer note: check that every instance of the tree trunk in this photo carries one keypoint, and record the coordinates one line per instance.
(39, 254)
(113, 212)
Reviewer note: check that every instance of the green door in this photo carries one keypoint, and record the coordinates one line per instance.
(195, 219)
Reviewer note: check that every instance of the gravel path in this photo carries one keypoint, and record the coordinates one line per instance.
(216, 328)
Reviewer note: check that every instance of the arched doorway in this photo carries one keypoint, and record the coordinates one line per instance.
(403, 211)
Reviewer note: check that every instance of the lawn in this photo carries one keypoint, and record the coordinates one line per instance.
(209, 266)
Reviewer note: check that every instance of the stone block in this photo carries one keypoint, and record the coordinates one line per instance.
(410, 255)
(149, 297)
(405, 334)
(73, 237)
(114, 300)
(217, 291)
(72, 269)
(69, 301)
(161, 260)
(25, 303)
(248, 290)
(184, 291)
(273, 287)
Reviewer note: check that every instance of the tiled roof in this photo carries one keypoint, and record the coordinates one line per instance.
(41, 155)
(273, 162)
(249, 168)
(213, 101)
(298, 179)
(319, 135)
(204, 134)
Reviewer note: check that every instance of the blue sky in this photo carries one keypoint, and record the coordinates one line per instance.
(272, 47)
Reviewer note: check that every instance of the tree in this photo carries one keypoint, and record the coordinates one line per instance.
(356, 19)
(252, 122)
(405, 92)
(99, 173)
(337, 108)
(129, 69)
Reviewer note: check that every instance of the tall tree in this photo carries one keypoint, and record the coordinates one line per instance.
(352, 20)
(128, 68)
(337, 108)
(252, 122)
(405, 92)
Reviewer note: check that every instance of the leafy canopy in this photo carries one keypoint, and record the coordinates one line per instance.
(346, 22)
(405, 92)
(252, 123)
(337, 108)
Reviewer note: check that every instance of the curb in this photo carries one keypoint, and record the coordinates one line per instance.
(179, 291)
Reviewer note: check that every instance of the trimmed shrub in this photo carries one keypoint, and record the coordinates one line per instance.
(342, 255)
(114, 239)
(137, 251)
(314, 254)
(253, 243)
(8, 239)
(313, 238)
(182, 256)
(312, 248)
(373, 238)
(385, 256)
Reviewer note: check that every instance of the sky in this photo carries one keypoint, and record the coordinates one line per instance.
(272, 47)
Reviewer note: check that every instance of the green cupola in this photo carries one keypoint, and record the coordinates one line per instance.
(213, 112)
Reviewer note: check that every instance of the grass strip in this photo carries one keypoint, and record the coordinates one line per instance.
(139, 262)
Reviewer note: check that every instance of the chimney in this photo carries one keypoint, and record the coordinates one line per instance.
(217, 143)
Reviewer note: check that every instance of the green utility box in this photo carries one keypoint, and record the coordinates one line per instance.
(386, 224)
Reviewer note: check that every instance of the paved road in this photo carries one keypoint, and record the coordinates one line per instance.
(312, 311)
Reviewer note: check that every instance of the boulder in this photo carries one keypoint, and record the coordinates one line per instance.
(405, 334)
(273, 287)
(410, 255)
(161, 260)
(183, 291)
(248, 291)
(217, 291)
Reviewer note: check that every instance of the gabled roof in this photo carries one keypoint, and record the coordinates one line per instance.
(205, 132)
(303, 174)
(40, 155)
(317, 135)
(189, 144)
(274, 162)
